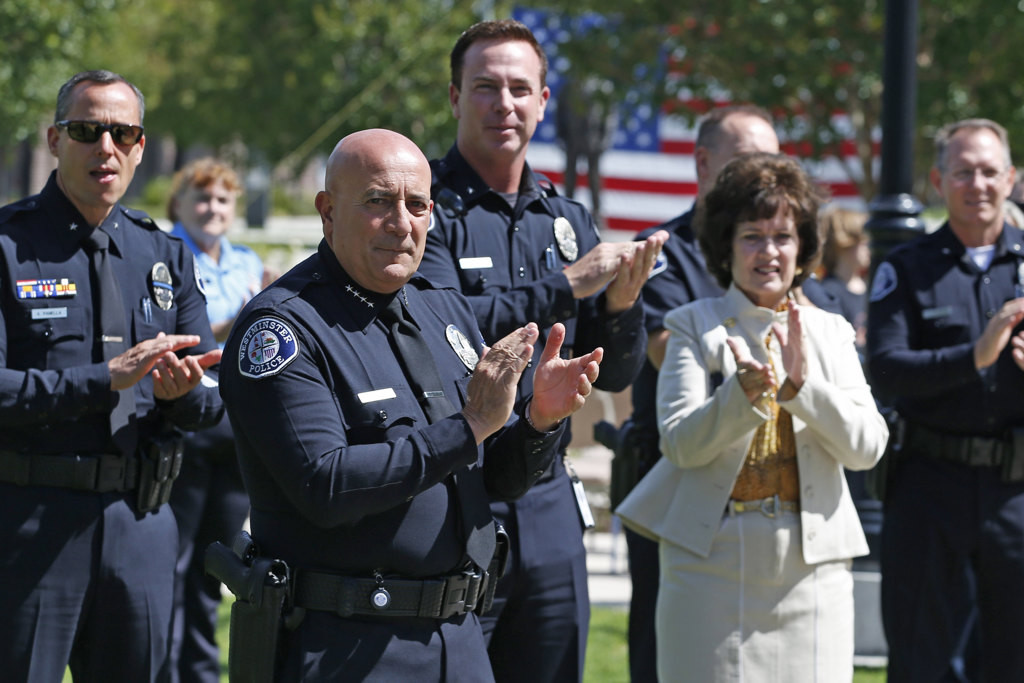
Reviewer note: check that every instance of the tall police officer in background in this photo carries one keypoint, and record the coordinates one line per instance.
(95, 302)
(504, 238)
(679, 277)
(943, 310)
(360, 397)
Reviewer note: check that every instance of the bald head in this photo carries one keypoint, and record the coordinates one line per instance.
(727, 134)
(375, 207)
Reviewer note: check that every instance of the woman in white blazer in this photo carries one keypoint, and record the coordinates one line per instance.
(761, 404)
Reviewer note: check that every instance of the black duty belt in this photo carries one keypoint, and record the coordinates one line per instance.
(976, 451)
(102, 473)
(438, 598)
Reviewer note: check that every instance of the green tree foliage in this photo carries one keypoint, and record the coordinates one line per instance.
(290, 79)
(806, 61)
(41, 43)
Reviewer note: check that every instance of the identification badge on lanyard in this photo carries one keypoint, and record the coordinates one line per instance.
(581, 497)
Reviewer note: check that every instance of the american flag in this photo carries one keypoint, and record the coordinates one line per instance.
(648, 176)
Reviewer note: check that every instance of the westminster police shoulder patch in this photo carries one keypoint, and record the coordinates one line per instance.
(267, 347)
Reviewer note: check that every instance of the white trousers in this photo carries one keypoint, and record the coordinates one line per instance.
(754, 611)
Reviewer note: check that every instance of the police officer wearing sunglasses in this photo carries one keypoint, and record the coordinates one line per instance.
(104, 353)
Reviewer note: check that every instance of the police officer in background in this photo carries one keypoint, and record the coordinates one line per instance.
(95, 301)
(360, 396)
(679, 277)
(503, 237)
(943, 310)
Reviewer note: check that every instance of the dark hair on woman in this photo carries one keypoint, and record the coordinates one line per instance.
(754, 187)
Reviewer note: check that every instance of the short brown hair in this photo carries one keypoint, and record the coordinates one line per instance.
(841, 229)
(754, 187)
(505, 30)
(201, 173)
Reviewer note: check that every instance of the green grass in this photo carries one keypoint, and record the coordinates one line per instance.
(606, 649)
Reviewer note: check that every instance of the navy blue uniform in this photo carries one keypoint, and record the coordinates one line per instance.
(508, 261)
(344, 473)
(949, 511)
(86, 578)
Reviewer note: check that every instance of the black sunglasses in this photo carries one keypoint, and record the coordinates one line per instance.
(91, 131)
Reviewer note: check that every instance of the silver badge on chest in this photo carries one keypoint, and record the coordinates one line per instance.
(462, 347)
(160, 285)
(565, 237)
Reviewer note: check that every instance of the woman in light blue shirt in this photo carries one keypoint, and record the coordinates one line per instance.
(208, 500)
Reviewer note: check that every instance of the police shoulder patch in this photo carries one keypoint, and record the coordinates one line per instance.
(660, 266)
(267, 347)
(884, 282)
(199, 278)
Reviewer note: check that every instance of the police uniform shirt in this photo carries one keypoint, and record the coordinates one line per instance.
(679, 276)
(509, 262)
(343, 471)
(55, 385)
(229, 283)
(929, 304)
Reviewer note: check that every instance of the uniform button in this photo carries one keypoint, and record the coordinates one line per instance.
(1016, 247)
(989, 313)
(383, 415)
(522, 271)
(537, 473)
(409, 499)
(316, 275)
(515, 228)
(986, 280)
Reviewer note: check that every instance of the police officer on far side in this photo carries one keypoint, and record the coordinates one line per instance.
(946, 349)
(372, 429)
(503, 237)
(98, 309)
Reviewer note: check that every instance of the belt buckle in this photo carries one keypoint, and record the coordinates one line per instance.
(770, 506)
(460, 594)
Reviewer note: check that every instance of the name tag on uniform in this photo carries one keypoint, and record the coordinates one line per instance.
(475, 262)
(376, 395)
(933, 313)
(48, 313)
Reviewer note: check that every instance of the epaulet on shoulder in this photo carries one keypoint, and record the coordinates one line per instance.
(21, 206)
(421, 283)
(140, 218)
(546, 185)
(437, 169)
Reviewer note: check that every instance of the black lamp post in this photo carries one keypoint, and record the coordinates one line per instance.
(895, 212)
